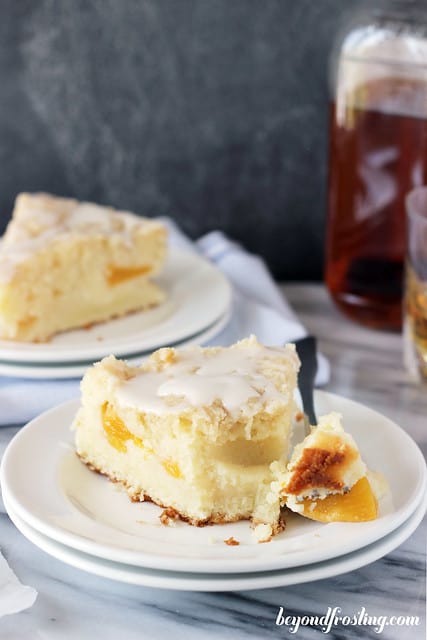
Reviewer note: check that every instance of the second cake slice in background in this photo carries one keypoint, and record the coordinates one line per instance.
(66, 264)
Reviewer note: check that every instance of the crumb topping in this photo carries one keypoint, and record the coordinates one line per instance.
(168, 516)
(232, 542)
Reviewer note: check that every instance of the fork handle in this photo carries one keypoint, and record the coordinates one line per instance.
(307, 353)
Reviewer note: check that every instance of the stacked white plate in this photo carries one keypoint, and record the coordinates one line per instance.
(84, 520)
(197, 307)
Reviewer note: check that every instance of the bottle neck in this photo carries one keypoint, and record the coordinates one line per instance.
(403, 11)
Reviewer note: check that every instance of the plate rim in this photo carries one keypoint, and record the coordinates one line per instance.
(232, 582)
(72, 370)
(184, 563)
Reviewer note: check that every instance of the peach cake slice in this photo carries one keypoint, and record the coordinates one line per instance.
(66, 264)
(194, 430)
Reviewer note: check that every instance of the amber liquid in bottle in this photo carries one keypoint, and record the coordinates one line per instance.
(376, 157)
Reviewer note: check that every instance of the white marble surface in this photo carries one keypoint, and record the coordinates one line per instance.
(366, 366)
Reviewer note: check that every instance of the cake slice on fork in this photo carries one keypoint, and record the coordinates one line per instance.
(326, 478)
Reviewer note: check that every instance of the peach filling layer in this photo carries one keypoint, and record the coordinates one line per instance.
(358, 505)
(118, 435)
(116, 275)
(172, 469)
(117, 432)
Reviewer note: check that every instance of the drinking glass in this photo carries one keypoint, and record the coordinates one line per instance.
(415, 301)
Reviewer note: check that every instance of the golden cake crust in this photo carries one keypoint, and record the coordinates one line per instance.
(140, 496)
(320, 468)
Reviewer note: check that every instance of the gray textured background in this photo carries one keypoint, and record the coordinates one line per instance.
(212, 111)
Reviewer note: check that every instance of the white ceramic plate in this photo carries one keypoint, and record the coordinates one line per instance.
(217, 582)
(198, 294)
(49, 488)
(64, 370)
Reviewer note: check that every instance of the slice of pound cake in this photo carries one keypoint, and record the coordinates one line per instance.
(326, 479)
(66, 264)
(194, 430)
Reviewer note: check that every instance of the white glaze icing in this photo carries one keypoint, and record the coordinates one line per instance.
(231, 376)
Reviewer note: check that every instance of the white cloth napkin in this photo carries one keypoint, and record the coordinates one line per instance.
(258, 308)
(258, 305)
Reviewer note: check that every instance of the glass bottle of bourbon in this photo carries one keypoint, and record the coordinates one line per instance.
(378, 153)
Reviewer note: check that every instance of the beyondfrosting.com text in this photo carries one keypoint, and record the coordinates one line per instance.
(334, 617)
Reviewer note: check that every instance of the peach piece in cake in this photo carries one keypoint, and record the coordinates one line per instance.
(359, 504)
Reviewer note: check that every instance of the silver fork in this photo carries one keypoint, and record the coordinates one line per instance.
(307, 353)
